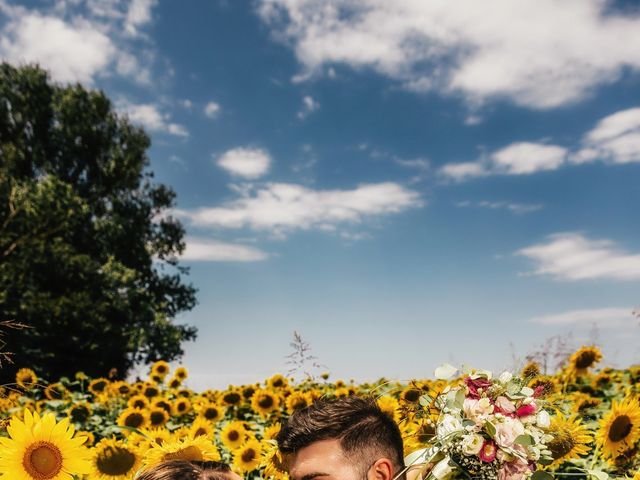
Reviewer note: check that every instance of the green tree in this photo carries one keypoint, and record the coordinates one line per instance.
(88, 251)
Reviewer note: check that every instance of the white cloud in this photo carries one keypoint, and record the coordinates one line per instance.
(78, 41)
(245, 162)
(138, 14)
(521, 158)
(571, 256)
(70, 51)
(203, 250)
(615, 139)
(150, 116)
(525, 158)
(539, 54)
(281, 207)
(309, 105)
(614, 317)
(212, 109)
(514, 207)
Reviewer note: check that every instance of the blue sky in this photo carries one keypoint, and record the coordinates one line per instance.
(404, 183)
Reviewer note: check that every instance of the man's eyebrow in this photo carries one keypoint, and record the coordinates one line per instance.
(311, 476)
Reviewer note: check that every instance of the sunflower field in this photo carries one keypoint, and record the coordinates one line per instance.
(99, 429)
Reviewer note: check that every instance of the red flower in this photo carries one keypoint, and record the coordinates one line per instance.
(488, 451)
(526, 410)
(474, 384)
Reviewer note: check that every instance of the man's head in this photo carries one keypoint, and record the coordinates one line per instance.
(345, 439)
(188, 470)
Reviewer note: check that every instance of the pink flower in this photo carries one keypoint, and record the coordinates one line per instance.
(507, 431)
(477, 410)
(526, 410)
(488, 451)
(504, 406)
(474, 384)
(513, 470)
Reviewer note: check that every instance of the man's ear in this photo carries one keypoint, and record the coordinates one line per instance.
(382, 470)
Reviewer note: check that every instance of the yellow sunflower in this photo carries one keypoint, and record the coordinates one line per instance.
(188, 449)
(133, 418)
(211, 411)
(231, 398)
(181, 373)
(411, 394)
(150, 390)
(181, 406)
(55, 391)
(272, 462)
(620, 428)
(79, 412)
(98, 386)
(38, 448)
(200, 426)
(264, 402)
(157, 417)
(248, 457)
(233, 435)
(531, 370)
(271, 432)
(544, 383)
(160, 368)
(26, 378)
(114, 460)
(583, 359)
(390, 406)
(174, 383)
(121, 388)
(571, 439)
(138, 401)
(162, 403)
(297, 401)
(277, 381)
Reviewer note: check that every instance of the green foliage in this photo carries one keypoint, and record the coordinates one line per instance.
(87, 249)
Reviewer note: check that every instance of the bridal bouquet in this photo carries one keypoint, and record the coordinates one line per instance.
(487, 428)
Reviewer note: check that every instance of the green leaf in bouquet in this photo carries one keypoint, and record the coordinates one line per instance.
(468, 423)
(545, 461)
(459, 399)
(490, 429)
(526, 391)
(598, 475)
(526, 440)
(542, 475)
(425, 400)
(445, 372)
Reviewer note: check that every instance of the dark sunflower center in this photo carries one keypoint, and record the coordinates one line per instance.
(99, 386)
(79, 413)
(561, 444)
(232, 398)
(585, 360)
(620, 428)
(157, 417)
(248, 392)
(278, 382)
(182, 407)
(299, 403)
(139, 404)
(115, 461)
(200, 431)
(211, 413)
(42, 460)
(134, 420)
(233, 435)
(266, 402)
(188, 454)
(151, 392)
(412, 395)
(248, 455)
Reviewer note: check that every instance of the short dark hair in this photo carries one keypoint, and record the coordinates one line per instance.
(363, 429)
(185, 470)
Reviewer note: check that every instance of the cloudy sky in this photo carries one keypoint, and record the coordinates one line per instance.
(404, 183)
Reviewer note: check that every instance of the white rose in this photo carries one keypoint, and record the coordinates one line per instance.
(442, 470)
(449, 425)
(505, 377)
(507, 432)
(505, 404)
(472, 444)
(543, 420)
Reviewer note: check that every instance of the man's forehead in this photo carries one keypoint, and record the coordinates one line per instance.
(318, 458)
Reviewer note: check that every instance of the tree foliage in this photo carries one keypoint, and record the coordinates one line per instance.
(87, 248)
